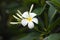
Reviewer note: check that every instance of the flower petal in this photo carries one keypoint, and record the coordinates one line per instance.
(25, 15)
(16, 17)
(35, 20)
(24, 22)
(31, 8)
(14, 22)
(31, 25)
(19, 12)
(19, 16)
(32, 15)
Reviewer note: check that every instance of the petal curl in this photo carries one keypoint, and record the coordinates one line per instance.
(25, 15)
(35, 20)
(32, 14)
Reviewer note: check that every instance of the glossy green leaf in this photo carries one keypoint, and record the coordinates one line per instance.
(55, 36)
(51, 12)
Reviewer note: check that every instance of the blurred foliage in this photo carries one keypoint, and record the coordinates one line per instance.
(30, 36)
(48, 14)
(55, 36)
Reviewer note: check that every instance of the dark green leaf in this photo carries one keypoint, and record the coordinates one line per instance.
(56, 2)
(55, 36)
(54, 24)
(39, 10)
(30, 36)
(51, 12)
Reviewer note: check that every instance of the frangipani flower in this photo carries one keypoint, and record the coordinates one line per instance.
(27, 18)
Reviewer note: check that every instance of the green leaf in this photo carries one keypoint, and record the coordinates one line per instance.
(51, 12)
(54, 24)
(56, 3)
(55, 36)
(30, 36)
(39, 10)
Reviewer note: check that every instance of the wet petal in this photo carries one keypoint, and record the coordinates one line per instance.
(35, 20)
(31, 25)
(25, 15)
(32, 15)
(24, 22)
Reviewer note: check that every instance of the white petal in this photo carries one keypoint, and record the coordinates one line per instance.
(16, 17)
(31, 8)
(19, 16)
(32, 15)
(14, 22)
(24, 22)
(35, 20)
(25, 15)
(31, 25)
(19, 12)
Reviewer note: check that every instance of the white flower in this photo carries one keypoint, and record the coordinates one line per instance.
(27, 18)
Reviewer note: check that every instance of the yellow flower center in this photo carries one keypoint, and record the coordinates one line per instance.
(29, 19)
